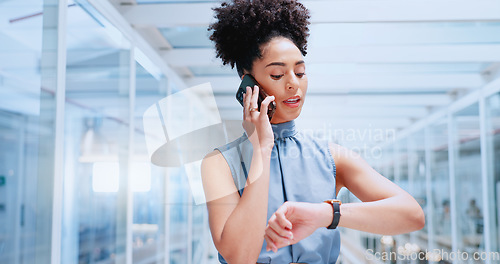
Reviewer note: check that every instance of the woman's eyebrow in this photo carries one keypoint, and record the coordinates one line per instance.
(283, 64)
(276, 64)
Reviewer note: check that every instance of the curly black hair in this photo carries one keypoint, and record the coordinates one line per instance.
(242, 26)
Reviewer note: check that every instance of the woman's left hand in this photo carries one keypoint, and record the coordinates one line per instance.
(294, 221)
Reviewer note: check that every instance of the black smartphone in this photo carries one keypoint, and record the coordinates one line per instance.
(248, 80)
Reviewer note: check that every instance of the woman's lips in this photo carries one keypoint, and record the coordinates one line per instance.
(292, 103)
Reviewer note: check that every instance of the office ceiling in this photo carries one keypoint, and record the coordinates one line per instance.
(371, 64)
(375, 64)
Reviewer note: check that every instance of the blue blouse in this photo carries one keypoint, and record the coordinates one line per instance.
(302, 170)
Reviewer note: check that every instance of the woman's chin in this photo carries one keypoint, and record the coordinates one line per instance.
(288, 118)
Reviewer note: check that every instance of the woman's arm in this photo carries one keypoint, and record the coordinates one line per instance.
(237, 223)
(386, 208)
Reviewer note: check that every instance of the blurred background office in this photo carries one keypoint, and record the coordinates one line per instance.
(416, 92)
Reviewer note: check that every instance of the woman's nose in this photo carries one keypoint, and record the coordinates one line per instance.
(293, 82)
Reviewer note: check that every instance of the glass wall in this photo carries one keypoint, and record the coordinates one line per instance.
(451, 167)
(440, 187)
(388, 171)
(402, 164)
(23, 125)
(88, 187)
(200, 236)
(468, 184)
(148, 182)
(179, 204)
(492, 116)
(90, 179)
(417, 174)
(97, 139)
(401, 158)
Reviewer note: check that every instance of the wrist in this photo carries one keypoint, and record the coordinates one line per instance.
(265, 151)
(335, 206)
(326, 215)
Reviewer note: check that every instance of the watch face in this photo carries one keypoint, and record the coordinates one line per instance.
(331, 201)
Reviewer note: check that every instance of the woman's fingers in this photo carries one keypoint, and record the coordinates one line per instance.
(278, 232)
(281, 226)
(276, 240)
(265, 104)
(255, 96)
(281, 214)
(284, 222)
(250, 99)
(244, 108)
(270, 244)
(247, 98)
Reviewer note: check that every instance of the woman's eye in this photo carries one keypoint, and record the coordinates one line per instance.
(301, 74)
(276, 76)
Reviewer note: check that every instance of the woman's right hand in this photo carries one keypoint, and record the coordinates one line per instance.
(256, 123)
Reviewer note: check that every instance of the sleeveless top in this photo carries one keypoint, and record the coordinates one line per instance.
(302, 169)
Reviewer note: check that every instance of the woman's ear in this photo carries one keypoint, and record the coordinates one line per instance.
(242, 72)
(245, 72)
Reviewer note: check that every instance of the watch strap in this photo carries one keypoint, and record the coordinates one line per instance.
(336, 213)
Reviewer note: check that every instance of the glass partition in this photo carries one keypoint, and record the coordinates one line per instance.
(389, 154)
(417, 177)
(178, 204)
(492, 115)
(199, 233)
(96, 139)
(402, 180)
(468, 187)
(440, 187)
(402, 170)
(26, 130)
(148, 181)
(417, 165)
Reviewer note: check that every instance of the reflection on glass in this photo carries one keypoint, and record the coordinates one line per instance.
(402, 177)
(198, 233)
(148, 228)
(417, 176)
(21, 126)
(96, 139)
(493, 166)
(148, 181)
(440, 187)
(468, 186)
(389, 166)
(178, 195)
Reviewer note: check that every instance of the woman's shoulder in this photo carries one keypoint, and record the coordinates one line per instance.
(233, 145)
(216, 175)
(223, 166)
(342, 153)
(227, 154)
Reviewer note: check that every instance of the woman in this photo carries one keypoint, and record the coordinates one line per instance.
(265, 190)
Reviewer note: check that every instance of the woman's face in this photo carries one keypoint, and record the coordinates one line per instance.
(281, 72)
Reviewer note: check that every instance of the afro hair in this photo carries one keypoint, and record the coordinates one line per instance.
(242, 26)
